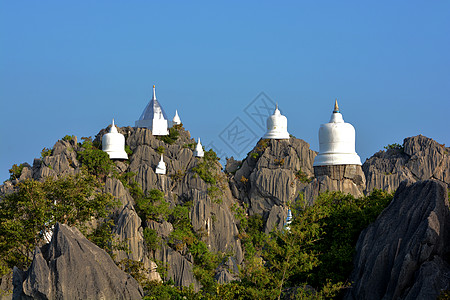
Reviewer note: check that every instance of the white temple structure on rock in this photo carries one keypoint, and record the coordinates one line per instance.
(176, 120)
(113, 143)
(154, 118)
(161, 167)
(198, 152)
(336, 142)
(277, 126)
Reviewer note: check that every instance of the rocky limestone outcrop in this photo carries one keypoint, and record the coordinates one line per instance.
(404, 253)
(420, 158)
(217, 223)
(128, 230)
(210, 215)
(180, 266)
(71, 267)
(269, 176)
(61, 161)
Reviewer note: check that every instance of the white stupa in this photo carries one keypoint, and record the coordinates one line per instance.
(154, 118)
(176, 120)
(113, 143)
(336, 142)
(161, 167)
(276, 126)
(198, 152)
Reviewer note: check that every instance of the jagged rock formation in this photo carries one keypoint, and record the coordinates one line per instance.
(404, 253)
(210, 217)
(420, 158)
(71, 267)
(268, 178)
(128, 229)
(273, 175)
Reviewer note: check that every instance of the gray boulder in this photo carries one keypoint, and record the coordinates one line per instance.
(403, 254)
(71, 267)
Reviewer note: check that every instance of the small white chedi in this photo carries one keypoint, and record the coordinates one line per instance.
(113, 143)
(161, 167)
(336, 142)
(198, 152)
(277, 126)
(154, 118)
(176, 120)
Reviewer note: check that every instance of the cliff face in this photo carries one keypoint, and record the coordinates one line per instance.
(420, 158)
(404, 253)
(272, 176)
(181, 185)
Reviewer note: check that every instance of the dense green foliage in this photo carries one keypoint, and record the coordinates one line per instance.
(27, 214)
(153, 206)
(311, 260)
(93, 159)
(317, 250)
(151, 239)
(345, 218)
(206, 167)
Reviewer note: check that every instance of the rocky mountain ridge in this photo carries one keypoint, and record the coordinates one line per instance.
(272, 176)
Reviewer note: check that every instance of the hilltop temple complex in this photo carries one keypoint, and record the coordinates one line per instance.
(337, 159)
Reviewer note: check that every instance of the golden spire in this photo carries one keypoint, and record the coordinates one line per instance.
(336, 107)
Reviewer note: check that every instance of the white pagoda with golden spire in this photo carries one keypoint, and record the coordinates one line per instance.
(336, 142)
(154, 118)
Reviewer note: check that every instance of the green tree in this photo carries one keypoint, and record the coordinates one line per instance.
(94, 160)
(153, 206)
(15, 171)
(30, 212)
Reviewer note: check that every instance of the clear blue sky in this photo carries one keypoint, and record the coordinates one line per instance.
(68, 67)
